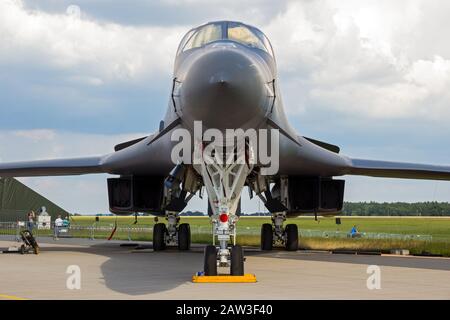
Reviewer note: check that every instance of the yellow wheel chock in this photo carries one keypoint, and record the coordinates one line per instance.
(246, 278)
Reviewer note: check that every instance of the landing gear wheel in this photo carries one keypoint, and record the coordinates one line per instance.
(184, 236)
(159, 241)
(210, 266)
(291, 237)
(266, 237)
(237, 261)
(22, 249)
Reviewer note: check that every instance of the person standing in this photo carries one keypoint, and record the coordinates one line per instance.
(58, 225)
(30, 220)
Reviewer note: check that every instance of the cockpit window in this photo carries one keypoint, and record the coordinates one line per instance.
(233, 31)
(184, 40)
(244, 35)
(267, 45)
(204, 35)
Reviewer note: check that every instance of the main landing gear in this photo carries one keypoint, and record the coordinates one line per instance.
(174, 234)
(276, 234)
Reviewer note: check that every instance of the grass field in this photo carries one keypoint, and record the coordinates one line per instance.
(418, 234)
(386, 231)
(438, 228)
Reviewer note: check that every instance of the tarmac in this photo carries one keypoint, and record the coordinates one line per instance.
(111, 271)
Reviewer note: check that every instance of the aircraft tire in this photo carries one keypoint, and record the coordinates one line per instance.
(184, 237)
(266, 237)
(159, 232)
(210, 266)
(237, 261)
(291, 237)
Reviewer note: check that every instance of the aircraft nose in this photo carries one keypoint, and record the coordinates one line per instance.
(224, 88)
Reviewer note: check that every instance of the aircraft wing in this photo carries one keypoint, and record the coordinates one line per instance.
(389, 169)
(56, 167)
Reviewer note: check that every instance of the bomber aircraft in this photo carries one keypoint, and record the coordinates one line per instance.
(225, 80)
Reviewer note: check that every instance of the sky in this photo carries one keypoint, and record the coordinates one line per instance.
(78, 77)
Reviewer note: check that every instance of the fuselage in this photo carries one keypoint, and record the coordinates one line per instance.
(227, 81)
(225, 76)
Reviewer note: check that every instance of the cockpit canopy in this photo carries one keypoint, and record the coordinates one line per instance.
(233, 31)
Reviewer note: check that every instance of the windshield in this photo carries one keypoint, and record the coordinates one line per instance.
(204, 35)
(184, 40)
(244, 35)
(235, 31)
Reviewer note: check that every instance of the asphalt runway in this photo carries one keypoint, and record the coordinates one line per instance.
(109, 271)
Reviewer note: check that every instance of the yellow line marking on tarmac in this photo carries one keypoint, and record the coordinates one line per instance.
(9, 297)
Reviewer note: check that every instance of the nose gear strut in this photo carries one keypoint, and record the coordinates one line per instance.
(224, 183)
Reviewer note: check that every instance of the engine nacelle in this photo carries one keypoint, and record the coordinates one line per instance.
(310, 194)
(136, 194)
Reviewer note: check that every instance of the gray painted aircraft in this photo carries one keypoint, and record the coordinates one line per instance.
(225, 76)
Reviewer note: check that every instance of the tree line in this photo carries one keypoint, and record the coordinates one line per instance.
(396, 209)
(374, 209)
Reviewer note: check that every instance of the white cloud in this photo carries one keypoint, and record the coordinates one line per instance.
(360, 58)
(371, 59)
(88, 50)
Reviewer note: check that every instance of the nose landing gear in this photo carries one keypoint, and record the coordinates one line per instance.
(224, 183)
(236, 261)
